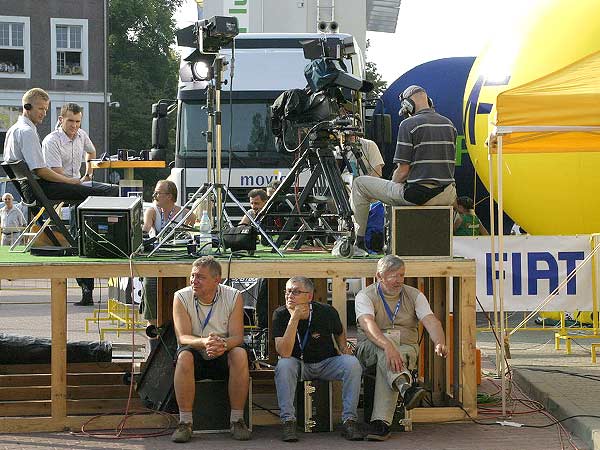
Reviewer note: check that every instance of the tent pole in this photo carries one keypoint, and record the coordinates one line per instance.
(501, 272)
(493, 252)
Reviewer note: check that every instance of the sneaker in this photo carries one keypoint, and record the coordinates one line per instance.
(289, 431)
(86, 299)
(351, 431)
(358, 252)
(239, 431)
(378, 431)
(413, 397)
(183, 433)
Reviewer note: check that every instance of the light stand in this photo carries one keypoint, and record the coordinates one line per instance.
(213, 188)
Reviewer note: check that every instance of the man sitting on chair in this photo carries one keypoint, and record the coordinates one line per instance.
(23, 143)
(304, 333)
(209, 324)
(388, 313)
(63, 151)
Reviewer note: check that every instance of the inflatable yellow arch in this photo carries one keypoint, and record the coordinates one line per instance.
(546, 193)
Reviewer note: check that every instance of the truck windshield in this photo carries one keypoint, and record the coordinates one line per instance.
(251, 140)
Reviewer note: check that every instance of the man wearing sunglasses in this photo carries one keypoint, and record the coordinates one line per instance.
(306, 336)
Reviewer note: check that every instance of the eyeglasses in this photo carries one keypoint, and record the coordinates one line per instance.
(294, 292)
(157, 193)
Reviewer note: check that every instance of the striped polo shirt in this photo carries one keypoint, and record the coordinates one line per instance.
(426, 141)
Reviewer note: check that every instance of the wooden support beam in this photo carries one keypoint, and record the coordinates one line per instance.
(59, 349)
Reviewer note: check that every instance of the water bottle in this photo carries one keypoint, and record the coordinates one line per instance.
(205, 235)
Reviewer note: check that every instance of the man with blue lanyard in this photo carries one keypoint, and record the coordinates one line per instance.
(388, 313)
(306, 336)
(209, 324)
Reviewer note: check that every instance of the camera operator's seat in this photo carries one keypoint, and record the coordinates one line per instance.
(46, 210)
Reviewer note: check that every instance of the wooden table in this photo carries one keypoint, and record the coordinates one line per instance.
(437, 275)
(129, 166)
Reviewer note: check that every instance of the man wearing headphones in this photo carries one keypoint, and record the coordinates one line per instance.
(23, 143)
(424, 175)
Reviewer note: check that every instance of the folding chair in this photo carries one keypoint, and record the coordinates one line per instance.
(34, 197)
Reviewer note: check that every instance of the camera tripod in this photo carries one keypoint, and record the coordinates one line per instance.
(308, 216)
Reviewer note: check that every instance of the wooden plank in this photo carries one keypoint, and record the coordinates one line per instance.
(74, 423)
(85, 406)
(166, 288)
(72, 379)
(468, 340)
(93, 367)
(438, 414)
(275, 268)
(58, 363)
(338, 299)
(438, 367)
(73, 392)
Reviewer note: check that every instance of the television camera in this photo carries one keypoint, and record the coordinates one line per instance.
(308, 120)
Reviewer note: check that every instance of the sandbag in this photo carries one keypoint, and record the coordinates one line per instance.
(33, 350)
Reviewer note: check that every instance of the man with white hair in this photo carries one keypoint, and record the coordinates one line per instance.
(11, 220)
(424, 175)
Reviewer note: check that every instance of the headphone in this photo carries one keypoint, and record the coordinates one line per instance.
(28, 106)
(407, 105)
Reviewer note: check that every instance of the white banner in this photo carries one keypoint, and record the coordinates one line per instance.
(533, 267)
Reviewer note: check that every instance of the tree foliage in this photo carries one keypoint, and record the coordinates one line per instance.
(374, 76)
(143, 68)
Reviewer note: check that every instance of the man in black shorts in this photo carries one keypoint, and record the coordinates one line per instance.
(209, 324)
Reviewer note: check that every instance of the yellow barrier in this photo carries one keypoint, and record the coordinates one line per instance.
(122, 314)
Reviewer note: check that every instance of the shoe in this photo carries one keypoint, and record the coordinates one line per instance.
(183, 433)
(351, 431)
(86, 299)
(358, 252)
(289, 431)
(239, 431)
(413, 397)
(378, 431)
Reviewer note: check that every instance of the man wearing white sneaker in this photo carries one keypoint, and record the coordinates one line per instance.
(209, 324)
(388, 313)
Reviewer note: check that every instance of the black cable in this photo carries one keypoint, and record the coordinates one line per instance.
(556, 422)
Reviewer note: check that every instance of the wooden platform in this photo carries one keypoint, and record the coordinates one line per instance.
(70, 396)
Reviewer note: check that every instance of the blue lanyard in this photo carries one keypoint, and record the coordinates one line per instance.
(302, 343)
(162, 216)
(386, 306)
(207, 318)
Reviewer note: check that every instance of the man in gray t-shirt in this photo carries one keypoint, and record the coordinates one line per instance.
(424, 175)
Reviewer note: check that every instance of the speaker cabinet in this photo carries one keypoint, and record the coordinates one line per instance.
(109, 227)
(421, 231)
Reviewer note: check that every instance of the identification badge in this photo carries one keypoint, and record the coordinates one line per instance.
(393, 334)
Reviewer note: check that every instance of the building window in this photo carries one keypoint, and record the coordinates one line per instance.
(14, 47)
(8, 117)
(69, 49)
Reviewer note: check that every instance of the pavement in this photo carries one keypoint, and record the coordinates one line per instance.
(544, 385)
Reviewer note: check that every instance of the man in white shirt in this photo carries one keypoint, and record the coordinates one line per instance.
(63, 151)
(11, 220)
(23, 143)
(65, 147)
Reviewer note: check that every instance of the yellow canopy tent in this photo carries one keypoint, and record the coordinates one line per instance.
(559, 112)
